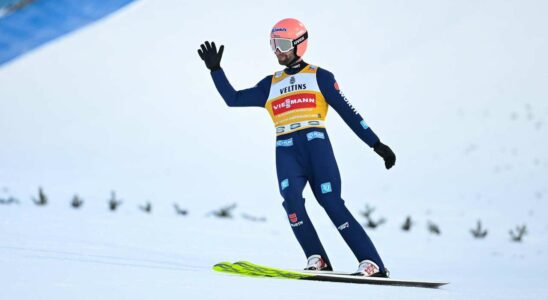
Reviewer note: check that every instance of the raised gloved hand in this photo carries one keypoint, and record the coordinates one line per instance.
(208, 53)
(386, 153)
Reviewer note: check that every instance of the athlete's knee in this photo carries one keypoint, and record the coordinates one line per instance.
(332, 204)
(293, 204)
(293, 200)
(289, 191)
(328, 196)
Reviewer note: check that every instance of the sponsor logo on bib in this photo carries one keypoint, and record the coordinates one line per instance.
(298, 101)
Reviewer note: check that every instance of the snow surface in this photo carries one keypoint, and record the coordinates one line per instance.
(456, 88)
(56, 252)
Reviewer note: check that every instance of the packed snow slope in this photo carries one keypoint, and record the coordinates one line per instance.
(56, 252)
(457, 89)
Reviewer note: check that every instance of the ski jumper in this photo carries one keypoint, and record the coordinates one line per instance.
(297, 99)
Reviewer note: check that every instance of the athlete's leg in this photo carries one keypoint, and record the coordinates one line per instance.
(292, 180)
(325, 182)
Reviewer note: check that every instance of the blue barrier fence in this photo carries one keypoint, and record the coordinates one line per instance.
(26, 24)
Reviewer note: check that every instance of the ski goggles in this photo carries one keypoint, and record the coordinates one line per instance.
(286, 45)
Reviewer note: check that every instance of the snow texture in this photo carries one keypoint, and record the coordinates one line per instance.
(456, 88)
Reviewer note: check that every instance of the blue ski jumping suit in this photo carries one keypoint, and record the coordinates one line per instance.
(297, 99)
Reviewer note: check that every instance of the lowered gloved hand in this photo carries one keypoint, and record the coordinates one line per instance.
(208, 53)
(386, 153)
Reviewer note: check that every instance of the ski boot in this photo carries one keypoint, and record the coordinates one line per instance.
(317, 263)
(368, 268)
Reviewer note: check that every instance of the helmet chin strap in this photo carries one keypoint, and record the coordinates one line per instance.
(294, 62)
